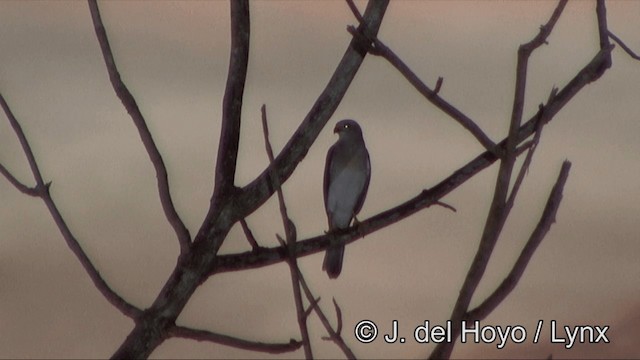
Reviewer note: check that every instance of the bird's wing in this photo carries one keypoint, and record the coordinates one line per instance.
(327, 180)
(365, 188)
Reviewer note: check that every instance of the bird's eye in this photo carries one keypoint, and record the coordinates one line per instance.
(346, 126)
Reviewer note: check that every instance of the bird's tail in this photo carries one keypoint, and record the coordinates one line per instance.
(333, 260)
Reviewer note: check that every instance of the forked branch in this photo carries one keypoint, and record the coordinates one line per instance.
(41, 190)
(131, 105)
(204, 335)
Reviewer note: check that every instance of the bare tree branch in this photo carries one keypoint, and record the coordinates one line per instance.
(16, 183)
(509, 283)
(130, 104)
(291, 235)
(247, 232)
(41, 190)
(525, 165)
(232, 102)
(624, 46)
(498, 210)
(204, 335)
(377, 47)
(334, 335)
(26, 148)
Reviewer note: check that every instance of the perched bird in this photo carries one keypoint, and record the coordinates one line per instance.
(346, 179)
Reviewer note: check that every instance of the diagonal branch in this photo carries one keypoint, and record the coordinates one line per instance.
(16, 183)
(249, 235)
(377, 47)
(41, 190)
(509, 283)
(624, 46)
(145, 135)
(290, 231)
(498, 211)
(204, 335)
(334, 335)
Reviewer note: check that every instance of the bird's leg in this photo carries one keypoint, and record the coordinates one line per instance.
(356, 224)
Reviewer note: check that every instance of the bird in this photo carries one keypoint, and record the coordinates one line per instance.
(347, 174)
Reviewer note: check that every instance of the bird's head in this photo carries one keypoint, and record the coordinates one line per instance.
(347, 127)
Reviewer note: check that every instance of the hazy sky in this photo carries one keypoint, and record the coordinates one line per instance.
(174, 57)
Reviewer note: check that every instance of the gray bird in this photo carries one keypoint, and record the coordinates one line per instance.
(346, 179)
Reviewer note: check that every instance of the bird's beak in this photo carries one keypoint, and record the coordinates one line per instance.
(336, 129)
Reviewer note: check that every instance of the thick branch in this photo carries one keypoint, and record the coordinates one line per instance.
(203, 335)
(546, 220)
(145, 135)
(232, 102)
(42, 190)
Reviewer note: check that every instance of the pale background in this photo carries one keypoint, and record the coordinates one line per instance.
(174, 57)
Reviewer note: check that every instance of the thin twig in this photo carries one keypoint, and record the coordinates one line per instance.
(17, 184)
(249, 235)
(131, 105)
(377, 47)
(546, 220)
(338, 316)
(291, 236)
(624, 46)
(204, 335)
(526, 163)
(333, 334)
(445, 205)
(355, 11)
(42, 190)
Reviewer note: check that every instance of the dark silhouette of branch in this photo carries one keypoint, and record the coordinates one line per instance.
(249, 235)
(498, 211)
(546, 220)
(232, 102)
(624, 46)
(334, 335)
(291, 235)
(41, 190)
(130, 104)
(526, 163)
(204, 335)
(16, 183)
(377, 47)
